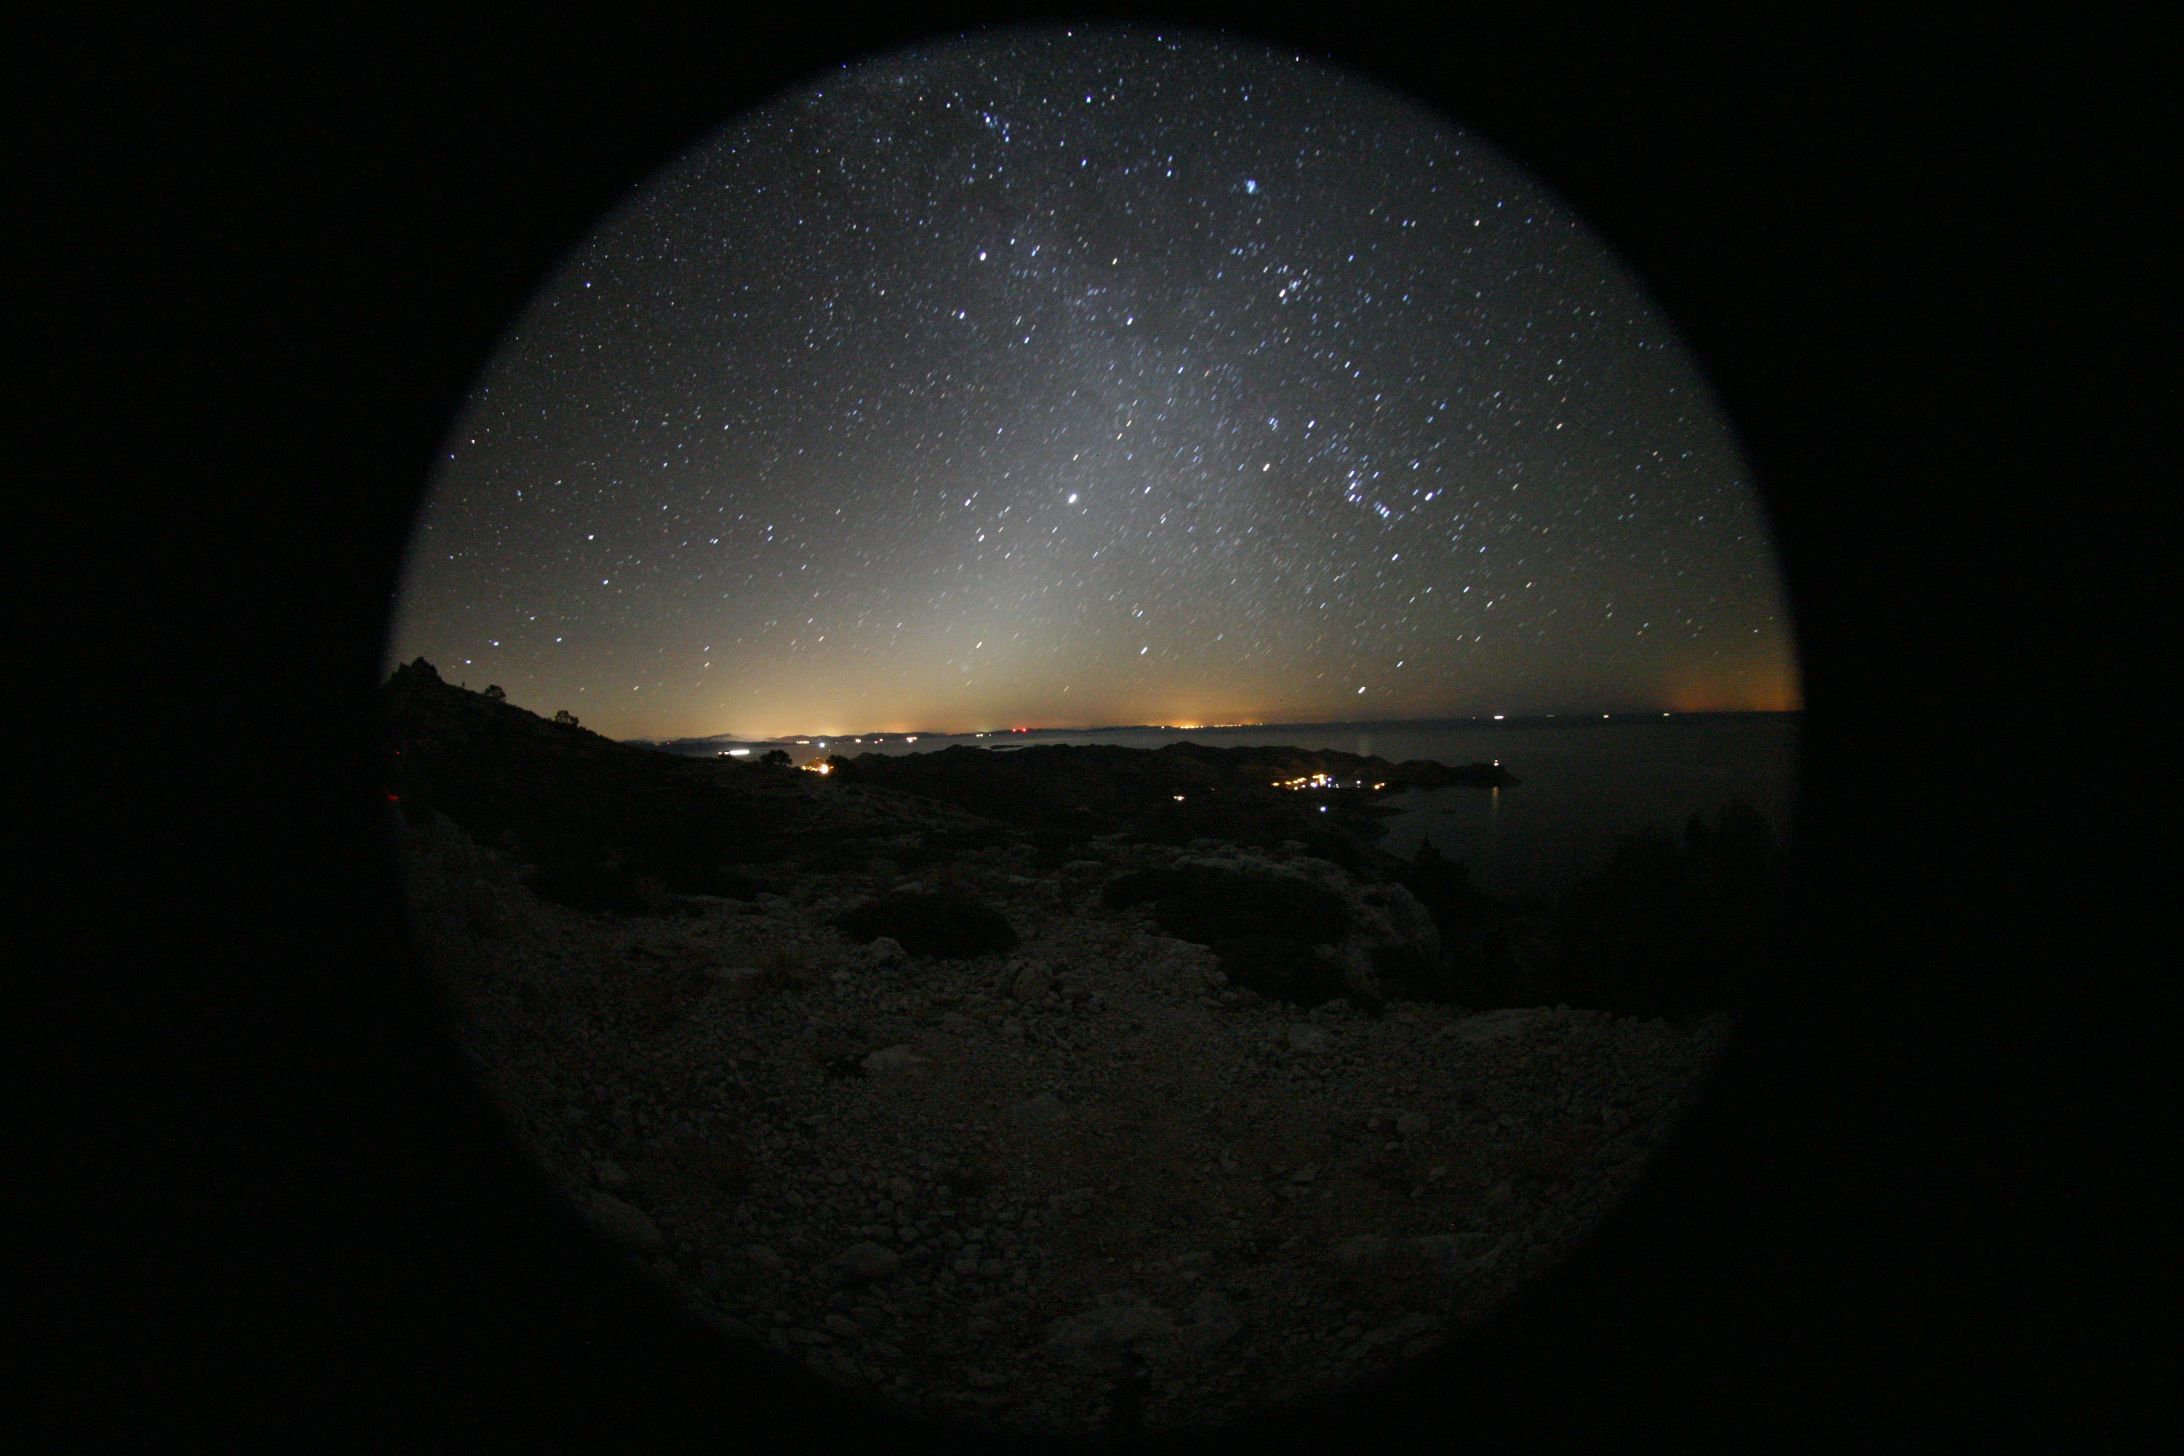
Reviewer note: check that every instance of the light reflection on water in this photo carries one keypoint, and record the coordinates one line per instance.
(1581, 784)
(1583, 787)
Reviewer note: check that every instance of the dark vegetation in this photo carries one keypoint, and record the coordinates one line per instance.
(1268, 933)
(1666, 926)
(1211, 905)
(1669, 924)
(931, 923)
(606, 827)
(1481, 934)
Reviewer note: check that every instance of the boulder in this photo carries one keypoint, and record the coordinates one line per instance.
(892, 1059)
(1031, 983)
(624, 1224)
(1350, 966)
(1391, 918)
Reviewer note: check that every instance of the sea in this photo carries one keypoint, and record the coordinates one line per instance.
(1583, 783)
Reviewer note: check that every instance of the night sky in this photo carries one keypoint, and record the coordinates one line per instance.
(1065, 379)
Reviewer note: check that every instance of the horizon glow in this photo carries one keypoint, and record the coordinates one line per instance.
(1074, 378)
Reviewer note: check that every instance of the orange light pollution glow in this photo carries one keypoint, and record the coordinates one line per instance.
(1232, 399)
(1769, 686)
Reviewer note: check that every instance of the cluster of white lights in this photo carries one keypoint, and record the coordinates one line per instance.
(1323, 781)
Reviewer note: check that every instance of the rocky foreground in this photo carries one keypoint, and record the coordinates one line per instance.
(1022, 1188)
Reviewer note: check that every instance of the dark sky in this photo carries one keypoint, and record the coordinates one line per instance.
(1078, 378)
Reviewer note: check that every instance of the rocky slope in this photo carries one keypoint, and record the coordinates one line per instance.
(1022, 1188)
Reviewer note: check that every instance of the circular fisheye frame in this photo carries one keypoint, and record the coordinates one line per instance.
(1096, 729)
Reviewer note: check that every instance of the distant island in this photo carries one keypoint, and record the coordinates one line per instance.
(566, 790)
(715, 744)
(1672, 920)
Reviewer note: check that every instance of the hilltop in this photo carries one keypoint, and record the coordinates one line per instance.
(1018, 1116)
(580, 806)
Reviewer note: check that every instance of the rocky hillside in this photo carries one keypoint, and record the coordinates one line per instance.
(1062, 1151)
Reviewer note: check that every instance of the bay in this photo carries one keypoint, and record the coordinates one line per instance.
(1584, 783)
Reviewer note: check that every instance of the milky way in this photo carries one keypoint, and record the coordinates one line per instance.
(1061, 378)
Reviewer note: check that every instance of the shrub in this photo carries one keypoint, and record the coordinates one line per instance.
(686, 846)
(1408, 974)
(932, 924)
(1335, 848)
(1671, 926)
(1441, 884)
(1265, 930)
(597, 889)
(1210, 906)
(1280, 969)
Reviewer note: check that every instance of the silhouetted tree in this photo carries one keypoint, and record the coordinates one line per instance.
(493, 691)
(1669, 926)
(778, 757)
(565, 716)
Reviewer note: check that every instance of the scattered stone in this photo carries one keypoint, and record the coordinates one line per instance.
(1443, 1252)
(1210, 1322)
(1076, 1202)
(1042, 1108)
(865, 1261)
(971, 1224)
(1494, 1026)
(1304, 1037)
(1099, 1338)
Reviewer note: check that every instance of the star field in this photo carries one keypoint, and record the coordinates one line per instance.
(1070, 378)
